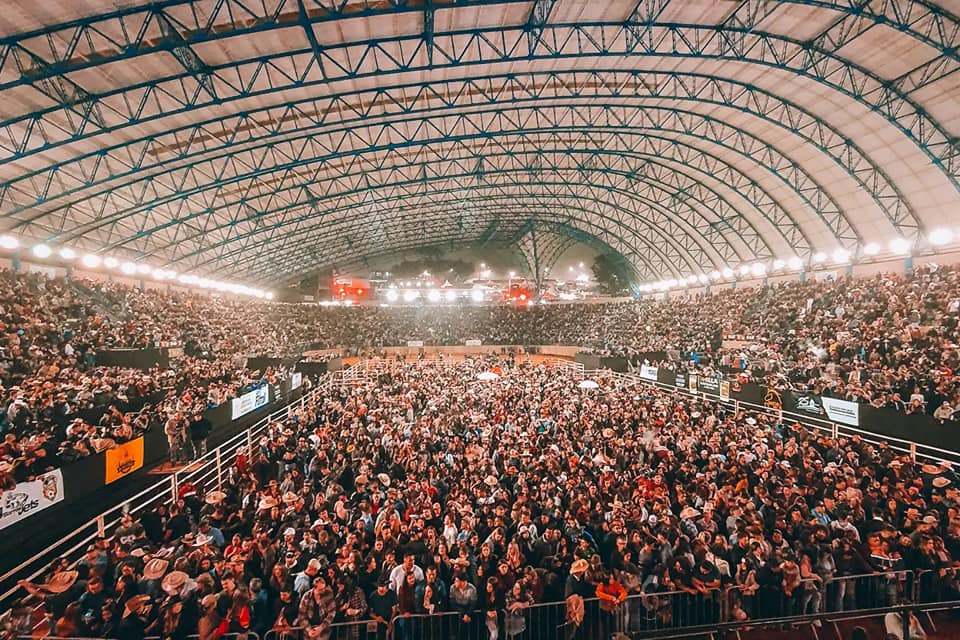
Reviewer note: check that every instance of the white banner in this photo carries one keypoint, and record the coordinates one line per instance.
(842, 411)
(473, 343)
(648, 373)
(30, 497)
(296, 380)
(414, 343)
(249, 402)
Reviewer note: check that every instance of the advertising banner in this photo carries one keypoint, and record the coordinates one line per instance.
(648, 373)
(28, 498)
(123, 460)
(806, 404)
(414, 343)
(296, 380)
(725, 389)
(680, 380)
(842, 411)
(249, 402)
(473, 343)
(709, 384)
(692, 381)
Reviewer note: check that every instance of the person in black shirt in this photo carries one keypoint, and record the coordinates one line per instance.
(383, 605)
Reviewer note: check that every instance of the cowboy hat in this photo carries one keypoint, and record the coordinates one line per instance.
(173, 581)
(490, 481)
(290, 498)
(930, 469)
(61, 582)
(579, 566)
(688, 512)
(940, 482)
(215, 497)
(384, 479)
(203, 539)
(135, 605)
(155, 568)
(267, 503)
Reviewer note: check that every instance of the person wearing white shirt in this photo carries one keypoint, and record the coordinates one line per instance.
(399, 571)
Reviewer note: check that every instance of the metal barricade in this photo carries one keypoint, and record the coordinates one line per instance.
(868, 591)
(445, 625)
(543, 621)
(760, 603)
(936, 585)
(647, 612)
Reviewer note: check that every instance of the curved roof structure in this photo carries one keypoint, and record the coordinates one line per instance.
(259, 139)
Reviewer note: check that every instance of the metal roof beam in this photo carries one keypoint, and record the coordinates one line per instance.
(537, 20)
(186, 56)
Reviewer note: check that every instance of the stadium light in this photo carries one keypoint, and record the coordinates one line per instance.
(110, 262)
(871, 249)
(703, 278)
(269, 295)
(900, 246)
(9, 243)
(392, 296)
(779, 264)
(42, 251)
(476, 295)
(410, 296)
(451, 296)
(728, 272)
(143, 269)
(433, 295)
(841, 256)
(744, 269)
(819, 257)
(940, 236)
(67, 253)
(795, 263)
(91, 261)
(715, 275)
(758, 269)
(128, 268)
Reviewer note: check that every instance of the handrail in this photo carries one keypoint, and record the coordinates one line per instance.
(165, 490)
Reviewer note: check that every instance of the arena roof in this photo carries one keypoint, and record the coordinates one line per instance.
(261, 139)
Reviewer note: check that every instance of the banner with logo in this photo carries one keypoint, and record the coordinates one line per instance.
(842, 411)
(27, 498)
(648, 373)
(807, 404)
(123, 460)
(692, 381)
(725, 389)
(296, 380)
(248, 402)
(414, 343)
(472, 343)
(709, 384)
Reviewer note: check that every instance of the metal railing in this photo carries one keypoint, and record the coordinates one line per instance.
(206, 472)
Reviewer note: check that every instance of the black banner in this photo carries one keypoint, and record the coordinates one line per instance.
(614, 364)
(806, 404)
(312, 368)
(709, 385)
(133, 358)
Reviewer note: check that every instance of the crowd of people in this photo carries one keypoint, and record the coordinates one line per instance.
(890, 340)
(430, 500)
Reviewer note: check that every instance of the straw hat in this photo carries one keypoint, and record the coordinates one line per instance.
(173, 581)
(384, 479)
(931, 469)
(215, 497)
(135, 605)
(267, 503)
(688, 512)
(940, 482)
(290, 498)
(579, 566)
(61, 582)
(155, 568)
(490, 481)
(203, 539)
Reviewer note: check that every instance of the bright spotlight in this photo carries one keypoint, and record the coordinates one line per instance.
(433, 295)
(410, 296)
(871, 249)
(758, 269)
(143, 269)
(392, 296)
(703, 278)
(128, 268)
(110, 262)
(451, 296)
(715, 275)
(900, 245)
(9, 242)
(744, 269)
(476, 295)
(779, 264)
(795, 263)
(728, 273)
(91, 261)
(819, 257)
(42, 251)
(67, 253)
(269, 295)
(841, 256)
(940, 236)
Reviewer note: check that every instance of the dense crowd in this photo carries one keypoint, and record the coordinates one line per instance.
(890, 340)
(430, 502)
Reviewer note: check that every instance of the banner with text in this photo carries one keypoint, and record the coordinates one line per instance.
(123, 460)
(473, 343)
(296, 380)
(27, 498)
(249, 402)
(648, 373)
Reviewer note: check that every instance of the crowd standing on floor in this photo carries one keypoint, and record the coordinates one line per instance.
(890, 340)
(428, 501)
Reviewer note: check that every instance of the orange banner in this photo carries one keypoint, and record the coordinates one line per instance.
(124, 459)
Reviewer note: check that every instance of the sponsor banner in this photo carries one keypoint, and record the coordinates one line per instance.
(773, 399)
(471, 343)
(27, 498)
(414, 343)
(296, 380)
(680, 380)
(725, 389)
(249, 402)
(123, 460)
(806, 403)
(648, 373)
(692, 381)
(842, 411)
(709, 384)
